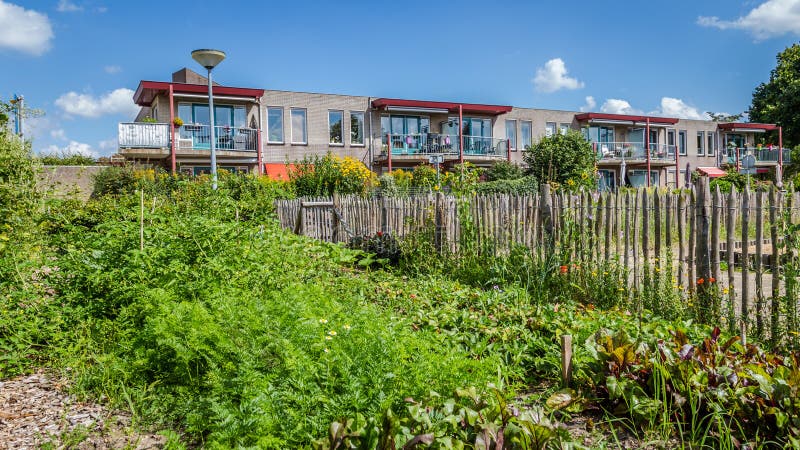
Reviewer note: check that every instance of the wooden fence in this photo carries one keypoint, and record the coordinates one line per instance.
(734, 240)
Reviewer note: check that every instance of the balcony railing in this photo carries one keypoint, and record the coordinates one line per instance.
(190, 137)
(198, 137)
(612, 151)
(144, 135)
(767, 155)
(432, 143)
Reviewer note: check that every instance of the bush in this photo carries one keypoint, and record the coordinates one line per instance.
(563, 159)
(317, 176)
(503, 170)
(114, 180)
(522, 185)
(66, 159)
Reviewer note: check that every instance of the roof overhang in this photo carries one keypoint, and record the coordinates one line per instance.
(625, 119)
(712, 172)
(394, 104)
(748, 127)
(149, 90)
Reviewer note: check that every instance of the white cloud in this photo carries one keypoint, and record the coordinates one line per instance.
(73, 148)
(618, 106)
(590, 104)
(771, 18)
(59, 134)
(24, 30)
(112, 69)
(108, 144)
(675, 107)
(553, 77)
(119, 101)
(68, 6)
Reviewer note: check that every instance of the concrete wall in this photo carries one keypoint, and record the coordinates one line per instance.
(65, 181)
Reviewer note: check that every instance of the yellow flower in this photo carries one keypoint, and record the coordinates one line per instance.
(346, 327)
(328, 338)
(332, 333)
(323, 320)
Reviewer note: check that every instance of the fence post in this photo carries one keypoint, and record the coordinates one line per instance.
(702, 251)
(438, 217)
(335, 219)
(298, 223)
(566, 359)
(546, 208)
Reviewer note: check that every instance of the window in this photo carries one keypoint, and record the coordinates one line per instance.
(275, 125)
(711, 141)
(563, 128)
(682, 142)
(299, 130)
(526, 133)
(335, 119)
(671, 142)
(550, 129)
(511, 133)
(356, 128)
(700, 143)
(385, 129)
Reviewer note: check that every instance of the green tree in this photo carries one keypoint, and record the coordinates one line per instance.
(565, 159)
(778, 100)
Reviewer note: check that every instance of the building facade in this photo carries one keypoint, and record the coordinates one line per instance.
(266, 130)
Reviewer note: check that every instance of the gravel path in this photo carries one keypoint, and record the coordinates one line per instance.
(36, 413)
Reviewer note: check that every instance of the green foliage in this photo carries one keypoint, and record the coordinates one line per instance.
(322, 176)
(462, 179)
(503, 170)
(484, 420)
(778, 100)
(423, 176)
(732, 178)
(66, 159)
(564, 159)
(524, 185)
(114, 180)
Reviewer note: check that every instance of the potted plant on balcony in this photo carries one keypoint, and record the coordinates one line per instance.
(178, 122)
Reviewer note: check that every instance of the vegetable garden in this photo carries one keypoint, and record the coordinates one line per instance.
(196, 311)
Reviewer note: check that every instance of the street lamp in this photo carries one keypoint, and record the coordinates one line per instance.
(209, 59)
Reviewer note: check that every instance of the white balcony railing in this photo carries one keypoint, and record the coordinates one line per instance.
(432, 143)
(633, 151)
(144, 135)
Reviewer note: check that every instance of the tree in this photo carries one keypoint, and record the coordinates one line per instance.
(722, 117)
(778, 100)
(566, 159)
(503, 170)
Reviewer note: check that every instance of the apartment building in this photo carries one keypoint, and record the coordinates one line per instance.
(264, 130)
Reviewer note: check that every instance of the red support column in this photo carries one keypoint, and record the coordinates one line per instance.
(460, 134)
(173, 162)
(389, 153)
(258, 149)
(647, 148)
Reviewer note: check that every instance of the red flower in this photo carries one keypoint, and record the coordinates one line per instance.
(564, 269)
(712, 280)
(700, 281)
(379, 234)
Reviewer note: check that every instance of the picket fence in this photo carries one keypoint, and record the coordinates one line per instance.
(735, 240)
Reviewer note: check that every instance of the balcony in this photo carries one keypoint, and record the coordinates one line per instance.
(764, 156)
(412, 146)
(616, 152)
(142, 135)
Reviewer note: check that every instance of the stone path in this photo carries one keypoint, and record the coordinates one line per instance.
(36, 413)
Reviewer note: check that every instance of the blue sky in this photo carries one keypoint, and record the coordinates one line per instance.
(80, 60)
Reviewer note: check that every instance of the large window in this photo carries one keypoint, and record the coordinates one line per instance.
(526, 133)
(701, 143)
(356, 128)
(275, 125)
(550, 129)
(335, 119)
(563, 128)
(511, 133)
(682, 142)
(224, 115)
(299, 129)
(477, 127)
(711, 141)
(671, 142)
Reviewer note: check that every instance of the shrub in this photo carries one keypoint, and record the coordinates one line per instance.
(423, 176)
(522, 185)
(564, 159)
(503, 170)
(317, 176)
(114, 180)
(66, 159)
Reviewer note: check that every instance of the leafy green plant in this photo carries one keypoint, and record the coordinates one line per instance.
(566, 160)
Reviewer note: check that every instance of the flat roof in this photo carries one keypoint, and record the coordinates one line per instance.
(149, 90)
(748, 126)
(471, 108)
(625, 118)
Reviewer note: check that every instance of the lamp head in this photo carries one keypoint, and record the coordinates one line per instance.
(208, 58)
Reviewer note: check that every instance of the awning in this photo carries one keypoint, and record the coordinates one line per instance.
(395, 104)
(712, 172)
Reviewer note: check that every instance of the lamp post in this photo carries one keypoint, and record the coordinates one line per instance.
(209, 59)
